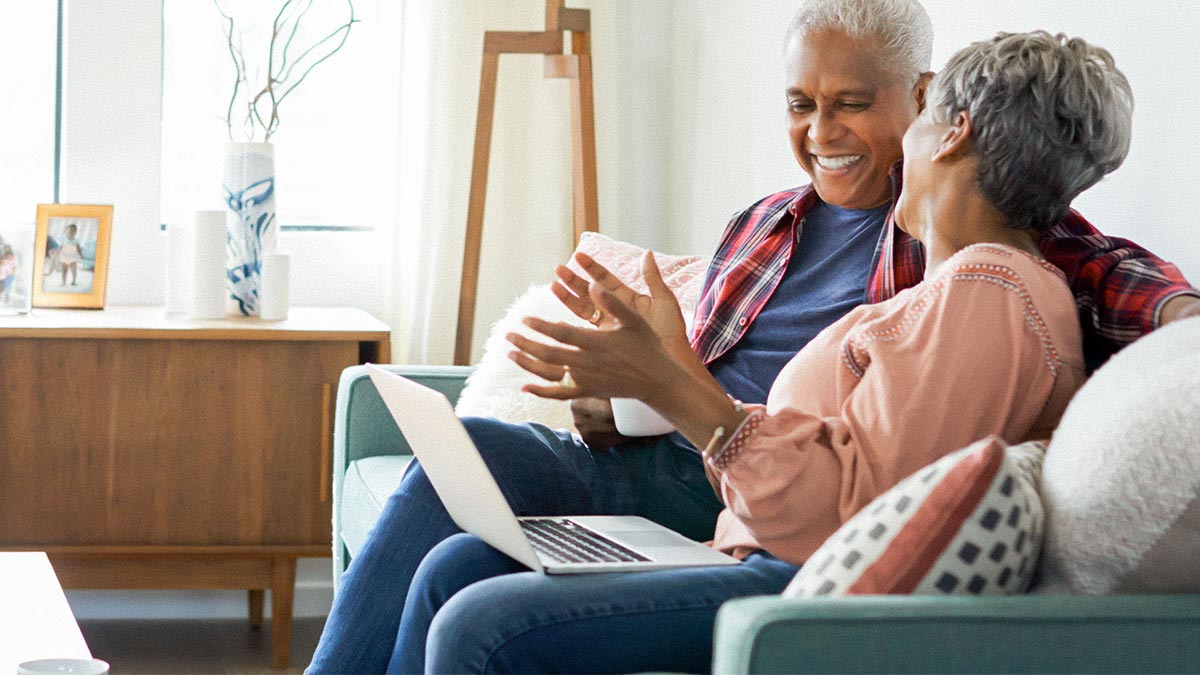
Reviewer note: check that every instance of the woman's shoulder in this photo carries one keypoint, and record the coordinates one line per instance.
(1025, 278)
(1027, 282)
(1002, 262)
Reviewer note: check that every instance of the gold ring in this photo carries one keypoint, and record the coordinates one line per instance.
(595, 320)
(567, 382)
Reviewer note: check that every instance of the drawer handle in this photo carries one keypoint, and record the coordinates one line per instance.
(326, 439)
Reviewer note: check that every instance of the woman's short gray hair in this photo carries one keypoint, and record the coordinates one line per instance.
(1050, 116)
(901, 28)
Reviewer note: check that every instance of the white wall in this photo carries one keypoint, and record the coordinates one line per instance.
(728, 144)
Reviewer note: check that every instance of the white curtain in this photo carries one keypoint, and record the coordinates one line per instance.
(527, 226)
(528, 206)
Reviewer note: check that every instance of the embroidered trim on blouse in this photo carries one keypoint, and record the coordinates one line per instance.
(734, 446)
(854, 348)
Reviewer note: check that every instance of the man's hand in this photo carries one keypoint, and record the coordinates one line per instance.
(594, 419)
(1179, 307)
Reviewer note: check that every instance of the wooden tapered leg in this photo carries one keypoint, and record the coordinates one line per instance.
(255, 603)
(475, 203)
(283, 590)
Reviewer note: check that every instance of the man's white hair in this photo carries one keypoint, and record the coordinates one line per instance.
(901, 28)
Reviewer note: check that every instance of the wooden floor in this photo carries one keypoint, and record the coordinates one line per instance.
(212, 646)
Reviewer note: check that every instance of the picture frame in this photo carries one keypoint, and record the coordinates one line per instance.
(70, 263)
(16, 267)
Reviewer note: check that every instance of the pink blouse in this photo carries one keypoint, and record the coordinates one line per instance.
(989, 344)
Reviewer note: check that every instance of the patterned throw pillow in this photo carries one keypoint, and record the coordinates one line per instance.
(970, 523)
(684, 274)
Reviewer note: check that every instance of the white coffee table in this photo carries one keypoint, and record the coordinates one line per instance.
(35, 619)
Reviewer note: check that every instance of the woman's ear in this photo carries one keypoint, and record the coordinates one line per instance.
(956, 142)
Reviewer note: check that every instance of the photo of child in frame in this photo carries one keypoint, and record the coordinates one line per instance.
(70, 255)
(16, 268)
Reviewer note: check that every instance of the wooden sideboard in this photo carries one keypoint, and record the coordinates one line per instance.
(142, 450)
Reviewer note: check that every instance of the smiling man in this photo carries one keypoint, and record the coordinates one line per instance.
(787, 267)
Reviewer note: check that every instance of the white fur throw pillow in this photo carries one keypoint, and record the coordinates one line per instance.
(1121, 481)
(494, 389)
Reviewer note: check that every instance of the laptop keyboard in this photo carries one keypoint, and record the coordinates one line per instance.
(565, 541)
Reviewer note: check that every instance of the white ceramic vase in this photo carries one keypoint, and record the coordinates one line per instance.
(250, 194)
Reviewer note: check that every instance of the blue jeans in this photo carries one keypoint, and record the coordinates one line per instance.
(540, 472)
(472, 609)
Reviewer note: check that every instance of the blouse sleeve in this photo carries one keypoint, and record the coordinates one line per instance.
(971, 359)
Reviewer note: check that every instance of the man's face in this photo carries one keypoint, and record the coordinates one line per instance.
(846, 117)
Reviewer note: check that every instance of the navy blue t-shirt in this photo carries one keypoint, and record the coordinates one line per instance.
(826, 277)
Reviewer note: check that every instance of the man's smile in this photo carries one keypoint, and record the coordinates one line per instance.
(837, 163)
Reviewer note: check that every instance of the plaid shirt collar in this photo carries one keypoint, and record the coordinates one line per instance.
(753, 255)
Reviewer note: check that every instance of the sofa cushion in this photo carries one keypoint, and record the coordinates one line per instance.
(494, 389)
(969, 523)
(1122, 477)
(368, 484)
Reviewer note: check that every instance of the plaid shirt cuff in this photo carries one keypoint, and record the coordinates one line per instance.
(1158, 307)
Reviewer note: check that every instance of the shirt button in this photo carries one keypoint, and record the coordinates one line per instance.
(743, 321)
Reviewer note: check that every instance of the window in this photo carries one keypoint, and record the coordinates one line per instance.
(29, 48)
(336, 143)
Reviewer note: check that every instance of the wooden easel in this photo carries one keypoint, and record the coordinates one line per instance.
(575, 65)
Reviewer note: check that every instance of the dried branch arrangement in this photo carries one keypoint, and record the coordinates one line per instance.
(257, 110)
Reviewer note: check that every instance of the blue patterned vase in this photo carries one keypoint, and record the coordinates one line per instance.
(250, 194)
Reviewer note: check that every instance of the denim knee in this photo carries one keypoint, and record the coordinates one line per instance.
(456, 563)
(451, 566)
(464, 634)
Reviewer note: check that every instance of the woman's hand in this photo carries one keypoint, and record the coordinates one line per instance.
(623, 356)
(626, 356)
(660, 308)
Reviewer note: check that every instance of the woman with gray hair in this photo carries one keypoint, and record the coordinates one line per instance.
(1044, 116)
(1015, 129)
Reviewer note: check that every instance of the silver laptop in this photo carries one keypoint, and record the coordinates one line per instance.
(551, 545)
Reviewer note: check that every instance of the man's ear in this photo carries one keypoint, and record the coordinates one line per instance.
(956, 142)
(920, 89)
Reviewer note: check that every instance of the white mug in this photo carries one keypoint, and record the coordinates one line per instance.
(634, 418)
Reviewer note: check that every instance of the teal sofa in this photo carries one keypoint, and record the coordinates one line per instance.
(865, 634)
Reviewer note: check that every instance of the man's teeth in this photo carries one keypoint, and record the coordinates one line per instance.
(834, 163)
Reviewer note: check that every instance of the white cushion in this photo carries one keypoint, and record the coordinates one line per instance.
(1122, 474)
(368, 484)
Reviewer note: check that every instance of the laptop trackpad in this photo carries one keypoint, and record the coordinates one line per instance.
(650, 539)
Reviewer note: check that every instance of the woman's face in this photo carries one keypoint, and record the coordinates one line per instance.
(921, 142)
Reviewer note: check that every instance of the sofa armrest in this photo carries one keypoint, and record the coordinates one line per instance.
(927, 634)
(363, 427)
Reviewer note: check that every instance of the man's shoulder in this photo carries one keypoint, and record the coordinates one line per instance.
(769, 207)
(1072, 226)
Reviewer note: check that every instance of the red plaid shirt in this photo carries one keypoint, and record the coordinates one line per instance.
(1119, 287)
